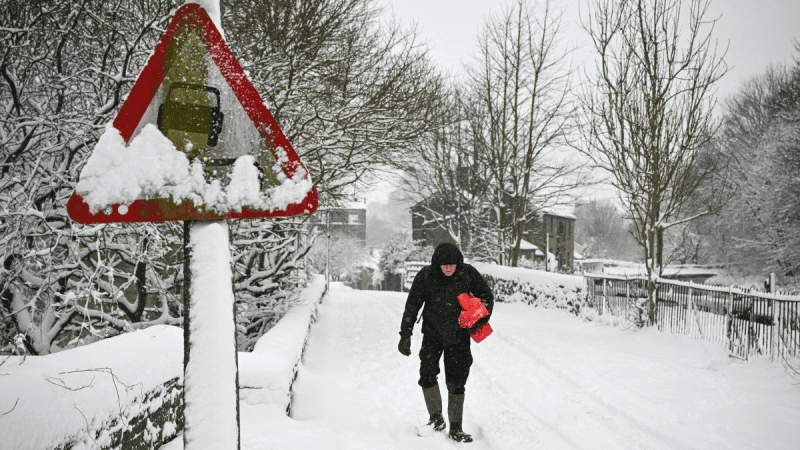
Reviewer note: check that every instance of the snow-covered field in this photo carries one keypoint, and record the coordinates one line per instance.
(543, 380)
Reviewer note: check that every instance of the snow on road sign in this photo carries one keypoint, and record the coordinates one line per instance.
(192, 141)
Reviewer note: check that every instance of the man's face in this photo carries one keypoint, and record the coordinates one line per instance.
(448, 269)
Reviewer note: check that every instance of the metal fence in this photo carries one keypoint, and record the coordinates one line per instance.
(748, 323)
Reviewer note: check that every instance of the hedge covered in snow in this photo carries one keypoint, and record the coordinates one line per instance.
(534, 287)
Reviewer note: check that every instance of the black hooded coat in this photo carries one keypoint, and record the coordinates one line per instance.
(437, 295)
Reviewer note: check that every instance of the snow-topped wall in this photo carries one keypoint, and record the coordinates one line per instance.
(126, 391)
(267, 373)
(122, 392)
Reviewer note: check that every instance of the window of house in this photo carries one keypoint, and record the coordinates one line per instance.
(353, 219)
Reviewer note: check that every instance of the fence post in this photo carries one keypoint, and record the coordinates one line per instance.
(729, 321)
(690, 306)
(627, 291)
(604, 296)
(628, 306)
(776, 346)
(695, 319)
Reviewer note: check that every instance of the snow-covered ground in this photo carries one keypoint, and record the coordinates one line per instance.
(544, 379)
(45, 400)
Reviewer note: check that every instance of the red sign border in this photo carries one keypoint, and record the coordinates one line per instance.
(192, 17)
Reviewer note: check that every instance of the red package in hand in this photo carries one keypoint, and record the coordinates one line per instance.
(473, 310)
(481, 333)
(468, 318)
(467, 301)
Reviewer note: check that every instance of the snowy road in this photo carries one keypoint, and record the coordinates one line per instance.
(543, 380)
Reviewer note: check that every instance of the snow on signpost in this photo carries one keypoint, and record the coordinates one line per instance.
(172, 151)
(193, 141)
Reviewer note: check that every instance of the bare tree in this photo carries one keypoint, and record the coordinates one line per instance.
(64, 68)
(758, 231)
(603, 231)
(520, 110)
(444, 178)
(348, 91)
(648, 113)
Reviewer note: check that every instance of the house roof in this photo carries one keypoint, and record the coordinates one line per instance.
(564, 212)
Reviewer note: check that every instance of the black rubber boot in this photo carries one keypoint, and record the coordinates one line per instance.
(455, 411)
(433, 401)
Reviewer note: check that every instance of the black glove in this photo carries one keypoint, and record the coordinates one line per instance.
(404, 346)
(478, 325)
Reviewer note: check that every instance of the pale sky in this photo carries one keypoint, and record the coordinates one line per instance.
(760, 32)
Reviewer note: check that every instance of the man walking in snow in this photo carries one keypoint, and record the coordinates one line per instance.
(436, 288)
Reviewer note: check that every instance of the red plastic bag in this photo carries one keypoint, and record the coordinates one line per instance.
(468, 317)
(467, 301)
(473, 310)
(481, 333)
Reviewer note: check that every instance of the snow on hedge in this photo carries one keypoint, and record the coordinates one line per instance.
(267, 373)
(73, 395)
(151, 167)
(534, 287)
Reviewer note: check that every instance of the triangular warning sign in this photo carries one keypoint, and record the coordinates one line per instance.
(195, 91)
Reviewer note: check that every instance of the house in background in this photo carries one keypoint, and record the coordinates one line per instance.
(558, 232)
(553, 231)
(349, 221)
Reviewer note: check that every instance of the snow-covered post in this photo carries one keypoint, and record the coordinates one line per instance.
(210, 360)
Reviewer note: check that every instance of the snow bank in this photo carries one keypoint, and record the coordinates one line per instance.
(267, 373)
(89, 397)
(85, 398)
(534, 287)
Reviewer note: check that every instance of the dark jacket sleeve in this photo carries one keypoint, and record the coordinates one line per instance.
(479, 288)
(414, 302)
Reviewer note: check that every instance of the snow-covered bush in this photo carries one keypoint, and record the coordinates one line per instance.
(398, 250)
(268, 272)
(67, 69)
(534, 287)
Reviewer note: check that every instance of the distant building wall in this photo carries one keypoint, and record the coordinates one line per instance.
(351, 222)
(560, 230)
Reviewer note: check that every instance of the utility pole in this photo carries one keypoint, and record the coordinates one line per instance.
(327, 249)
(547, 252)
